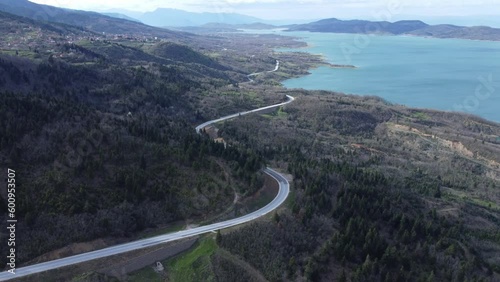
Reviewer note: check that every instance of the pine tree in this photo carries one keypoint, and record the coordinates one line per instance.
(218, 238)
(276, 217)
(343, 277)
(430, 278)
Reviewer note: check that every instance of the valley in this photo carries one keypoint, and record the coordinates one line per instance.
(97, 117)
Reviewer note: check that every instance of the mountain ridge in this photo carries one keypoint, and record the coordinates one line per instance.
(163, 17)
(92, 21)
(404, 27)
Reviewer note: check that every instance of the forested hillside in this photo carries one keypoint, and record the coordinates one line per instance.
(406, 27)
(101, 134)
(87, 20)
(382, 193)
(100, 130)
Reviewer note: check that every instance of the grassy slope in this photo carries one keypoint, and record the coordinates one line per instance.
(192, 265)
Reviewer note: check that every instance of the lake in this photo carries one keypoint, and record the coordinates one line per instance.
(444, 74)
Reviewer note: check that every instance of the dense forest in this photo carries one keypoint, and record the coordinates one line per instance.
(371, 203)
(102, 137)
(100, 130)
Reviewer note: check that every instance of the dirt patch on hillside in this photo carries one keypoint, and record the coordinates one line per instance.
(453, 145)
(363, 147)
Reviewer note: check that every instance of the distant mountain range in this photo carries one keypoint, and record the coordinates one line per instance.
(174, 17)
(88, 20)
(148, 24)
(121, 16)
(416, 28)
(164, 17)
(211, 28)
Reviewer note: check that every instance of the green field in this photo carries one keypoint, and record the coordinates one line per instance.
(195, 264)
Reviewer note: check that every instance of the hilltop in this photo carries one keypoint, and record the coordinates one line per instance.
(89, 20)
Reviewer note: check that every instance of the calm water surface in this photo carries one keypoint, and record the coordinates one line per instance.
(444, 74)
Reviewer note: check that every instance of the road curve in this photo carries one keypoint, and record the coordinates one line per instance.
(257, 73)
(201, 126)
(284, 190)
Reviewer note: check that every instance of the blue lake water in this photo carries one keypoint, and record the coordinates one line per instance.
(444, 74)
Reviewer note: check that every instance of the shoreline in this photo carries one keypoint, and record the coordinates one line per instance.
(341, 66)
(397, 35)
(335, 66)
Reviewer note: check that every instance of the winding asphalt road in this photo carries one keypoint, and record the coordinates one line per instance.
(201, 126)
(284, 190)
(257, 73)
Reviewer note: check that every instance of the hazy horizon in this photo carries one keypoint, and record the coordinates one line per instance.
(459, 12)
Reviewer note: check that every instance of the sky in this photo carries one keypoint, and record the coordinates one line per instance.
(302, 9)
